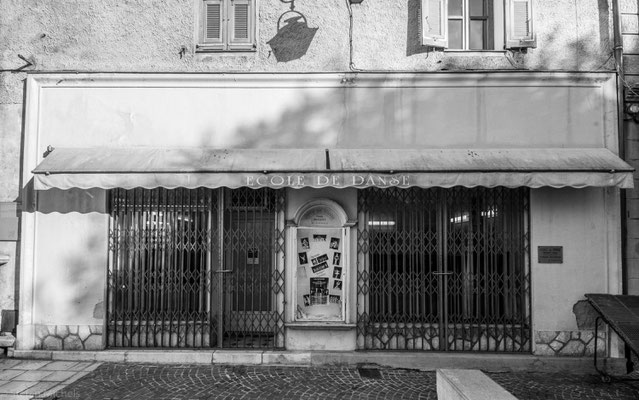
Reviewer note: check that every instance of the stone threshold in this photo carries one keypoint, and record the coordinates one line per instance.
(460, 384)
(431, 361)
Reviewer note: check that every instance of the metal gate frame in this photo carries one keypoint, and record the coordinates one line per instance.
(428, 279)
(168, 281)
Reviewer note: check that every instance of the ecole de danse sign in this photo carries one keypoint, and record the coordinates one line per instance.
(317, 180)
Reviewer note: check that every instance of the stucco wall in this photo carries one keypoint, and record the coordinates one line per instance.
(571, 35)
(578, 220)
(139, 36)
(301, 111)
(145, 35)
(71, 248)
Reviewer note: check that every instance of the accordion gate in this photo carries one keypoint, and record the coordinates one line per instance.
(437, 269)
(443, 269)
(196, 268)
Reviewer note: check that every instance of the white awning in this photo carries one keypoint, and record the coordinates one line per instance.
(190, 168)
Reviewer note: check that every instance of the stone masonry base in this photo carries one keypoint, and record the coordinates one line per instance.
(569, 343)
(547, 343)
(68, 337)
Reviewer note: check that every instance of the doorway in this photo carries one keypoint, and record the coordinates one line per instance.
(444, 269)
(196, 268)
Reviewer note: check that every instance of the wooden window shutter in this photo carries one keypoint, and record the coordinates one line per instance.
(242, 23)
(519, 24)
(434, 22)
(213, 22)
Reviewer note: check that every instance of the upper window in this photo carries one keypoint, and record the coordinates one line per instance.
(477, 24)
(227, 25)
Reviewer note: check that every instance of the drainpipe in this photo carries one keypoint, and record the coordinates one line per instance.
(621, 138)
(621, 134)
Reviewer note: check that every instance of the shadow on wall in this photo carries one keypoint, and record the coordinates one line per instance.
(293, 37)
(382, 116)
(317, 120)
(75, 291)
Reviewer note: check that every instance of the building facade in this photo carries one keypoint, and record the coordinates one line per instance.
(209, 174)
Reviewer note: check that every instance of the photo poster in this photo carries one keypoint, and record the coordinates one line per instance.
(320, 273)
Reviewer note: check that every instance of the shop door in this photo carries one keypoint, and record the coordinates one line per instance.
(443, 270)
(248, 299)
(195, 268)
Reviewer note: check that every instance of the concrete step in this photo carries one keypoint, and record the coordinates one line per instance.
(424, 361)
(468, 384)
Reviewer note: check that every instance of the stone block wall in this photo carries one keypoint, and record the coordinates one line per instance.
(68, 337)
(426, 337)
(570, 343)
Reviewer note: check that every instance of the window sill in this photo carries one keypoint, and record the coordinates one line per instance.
(207, 51)
(475, 53)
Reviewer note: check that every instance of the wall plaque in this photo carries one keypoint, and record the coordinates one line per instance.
(320, 216)
(550, 254)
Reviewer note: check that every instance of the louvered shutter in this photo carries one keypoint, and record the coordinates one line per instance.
(519, 24)
(213, 22)
(241, 24)
(434, 22)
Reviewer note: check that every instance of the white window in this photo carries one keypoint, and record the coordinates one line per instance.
(477, 24)
(227, 25)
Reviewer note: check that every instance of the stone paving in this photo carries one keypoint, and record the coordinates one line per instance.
(149, 381)
(566, 386)
(27, 379)
(33, 379)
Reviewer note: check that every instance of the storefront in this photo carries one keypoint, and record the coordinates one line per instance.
(434, 212)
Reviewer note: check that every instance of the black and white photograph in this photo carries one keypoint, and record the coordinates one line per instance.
(337, 257)
(303, 258)
(319, 238)
(318, 285)
(319, 268)
(319, 259)
(458, 178)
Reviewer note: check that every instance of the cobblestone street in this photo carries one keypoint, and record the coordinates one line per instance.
(147, 381)
(565, 386)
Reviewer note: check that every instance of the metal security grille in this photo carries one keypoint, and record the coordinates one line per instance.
(250, 282)
(172, 276)
(444, 269)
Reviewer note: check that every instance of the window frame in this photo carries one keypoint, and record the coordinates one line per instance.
(508, 30)
(226, 43)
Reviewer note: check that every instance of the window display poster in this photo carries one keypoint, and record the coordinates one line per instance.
(320, 274)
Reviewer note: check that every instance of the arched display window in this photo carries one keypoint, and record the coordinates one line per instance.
(320, 286)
